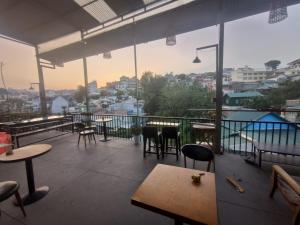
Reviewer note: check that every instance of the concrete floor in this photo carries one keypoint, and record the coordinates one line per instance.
(93, 186)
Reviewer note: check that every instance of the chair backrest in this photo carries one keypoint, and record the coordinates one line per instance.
(197, 152)
(169, 132)
(149, 132)
(80, 126)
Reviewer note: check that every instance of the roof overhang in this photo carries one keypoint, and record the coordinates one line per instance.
(189, 17)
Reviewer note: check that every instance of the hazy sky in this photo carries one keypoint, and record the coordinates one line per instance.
(250, 41)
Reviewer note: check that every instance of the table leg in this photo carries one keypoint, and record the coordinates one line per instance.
(259, 159)
(104, 133)
(34, 194)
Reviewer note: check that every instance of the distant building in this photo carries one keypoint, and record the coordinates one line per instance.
(237, 98)
(58, 104)
(92, 87)
(293, 68)
(257, 119)
(248, 74)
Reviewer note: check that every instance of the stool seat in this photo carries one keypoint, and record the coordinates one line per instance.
(7, 189)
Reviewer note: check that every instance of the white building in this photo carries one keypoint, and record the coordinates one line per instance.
(92, 87)
(248, 74)
(293, 68)
(58, 104)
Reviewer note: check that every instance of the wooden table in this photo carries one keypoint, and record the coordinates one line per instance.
(169, 190)
(26, 154)
(261, 147)
(104, 121)
(163, 124)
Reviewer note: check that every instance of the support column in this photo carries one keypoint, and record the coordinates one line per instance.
(43, 102)
(86, 84)
(135, 69)
(85, 79)
(219, 87)
(136, 78)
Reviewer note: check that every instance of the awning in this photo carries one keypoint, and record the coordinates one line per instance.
(192, 16)
(39, 21)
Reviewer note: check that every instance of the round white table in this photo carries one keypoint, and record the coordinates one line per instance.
(26, 154)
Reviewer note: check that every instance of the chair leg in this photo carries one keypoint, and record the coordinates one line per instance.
(145, 146)
(78, 139)
(20, 203)
(84, 138)
(274, 184)
(177, 149)
(184, 161)
(157, 149)
(94, 138)
(296, 218)
(208, 166)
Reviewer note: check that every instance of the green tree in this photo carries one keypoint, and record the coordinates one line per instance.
(80, 94)
(176, 100)
(152, 86)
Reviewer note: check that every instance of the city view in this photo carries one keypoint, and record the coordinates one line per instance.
(150, 112)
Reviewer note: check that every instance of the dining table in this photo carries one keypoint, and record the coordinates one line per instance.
(27, 154)
(170, 191)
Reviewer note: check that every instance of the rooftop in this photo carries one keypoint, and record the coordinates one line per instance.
(246, 94)
(94, 186)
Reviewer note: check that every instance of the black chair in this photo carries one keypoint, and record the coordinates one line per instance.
(9, 188)
(82, 131)
(199, 153)
(170, 133)
(151, 134)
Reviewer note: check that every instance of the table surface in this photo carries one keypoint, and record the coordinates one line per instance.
(162, 123)
(41, 119)
(169, 190)
(204, 126)
(27, 152)
(103, 120)
(278, 148)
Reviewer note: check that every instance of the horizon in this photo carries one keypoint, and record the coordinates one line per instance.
(266, 41)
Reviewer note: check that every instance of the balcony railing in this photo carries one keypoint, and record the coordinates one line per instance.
(237, 136)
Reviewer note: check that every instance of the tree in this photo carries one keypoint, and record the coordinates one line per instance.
(80, 94)
(272, 64)
(152, 86)
(176, 100)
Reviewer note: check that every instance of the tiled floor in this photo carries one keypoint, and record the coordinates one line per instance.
(94, 185)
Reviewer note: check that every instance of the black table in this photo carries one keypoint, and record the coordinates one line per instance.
(104, 121)
(26, 154)
(261, 147)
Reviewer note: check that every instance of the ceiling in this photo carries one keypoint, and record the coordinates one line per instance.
(39, 21)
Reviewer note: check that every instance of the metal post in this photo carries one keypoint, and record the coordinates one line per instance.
(135, 70)
(85, 80)
(41, 85)
(86, 84)
(219, 92)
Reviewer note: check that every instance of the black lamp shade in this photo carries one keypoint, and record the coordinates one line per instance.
(197, 60)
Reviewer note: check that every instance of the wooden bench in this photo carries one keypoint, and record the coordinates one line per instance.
(16, 136)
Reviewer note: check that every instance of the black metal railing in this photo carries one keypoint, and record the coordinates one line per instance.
(237, 136)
